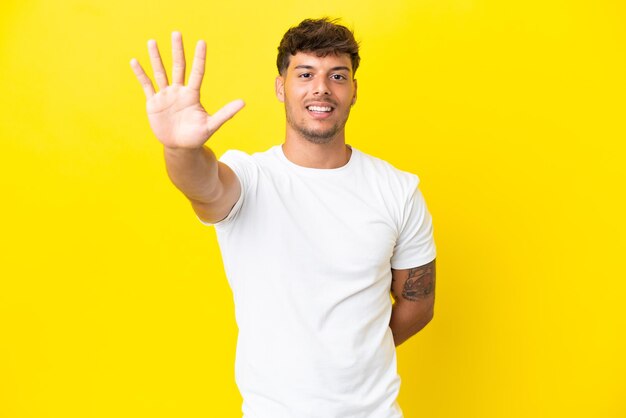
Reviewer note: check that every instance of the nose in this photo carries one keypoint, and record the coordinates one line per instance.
(321, 87)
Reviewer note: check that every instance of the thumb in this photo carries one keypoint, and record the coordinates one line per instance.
(225, 113)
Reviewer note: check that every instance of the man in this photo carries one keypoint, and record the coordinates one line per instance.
(313, 233)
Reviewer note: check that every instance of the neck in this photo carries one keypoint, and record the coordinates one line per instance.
(333, 154)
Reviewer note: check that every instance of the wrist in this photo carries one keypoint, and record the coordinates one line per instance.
(182, 150)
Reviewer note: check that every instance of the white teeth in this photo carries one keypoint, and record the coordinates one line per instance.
(320, 108)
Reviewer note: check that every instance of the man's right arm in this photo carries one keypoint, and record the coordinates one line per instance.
(182, 125)
(210, 185)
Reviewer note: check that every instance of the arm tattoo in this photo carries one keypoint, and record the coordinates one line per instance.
(420, 283)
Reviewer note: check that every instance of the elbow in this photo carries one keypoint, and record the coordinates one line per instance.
(431, 314)
(428, 316)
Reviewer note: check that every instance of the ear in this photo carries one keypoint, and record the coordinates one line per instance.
(354, 96)
(279, 86)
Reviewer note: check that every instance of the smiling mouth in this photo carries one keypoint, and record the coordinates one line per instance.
(320, 109)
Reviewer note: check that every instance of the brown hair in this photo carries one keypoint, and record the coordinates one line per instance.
(321, 36)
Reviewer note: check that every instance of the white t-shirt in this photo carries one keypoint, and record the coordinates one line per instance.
(308, 254)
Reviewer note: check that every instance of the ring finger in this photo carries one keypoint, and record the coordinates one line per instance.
(160, 75)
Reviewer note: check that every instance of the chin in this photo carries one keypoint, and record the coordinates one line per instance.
(318, 139)
(318, 136)
(321, 135)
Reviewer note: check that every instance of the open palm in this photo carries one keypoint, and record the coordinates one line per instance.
(176, 115)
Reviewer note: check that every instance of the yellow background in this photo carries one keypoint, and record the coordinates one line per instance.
(113, 300)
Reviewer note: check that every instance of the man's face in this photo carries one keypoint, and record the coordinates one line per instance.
(318, 93)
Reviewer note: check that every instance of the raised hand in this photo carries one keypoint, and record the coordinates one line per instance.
(176, 116)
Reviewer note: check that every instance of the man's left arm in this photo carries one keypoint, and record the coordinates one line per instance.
(414, 293)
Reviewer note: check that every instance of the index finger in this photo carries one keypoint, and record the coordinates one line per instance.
(197, 69)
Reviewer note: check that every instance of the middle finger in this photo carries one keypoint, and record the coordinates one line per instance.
(178, 56)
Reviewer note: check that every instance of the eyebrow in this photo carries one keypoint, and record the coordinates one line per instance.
(310, 67)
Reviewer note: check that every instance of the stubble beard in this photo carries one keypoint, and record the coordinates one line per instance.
(314, 136)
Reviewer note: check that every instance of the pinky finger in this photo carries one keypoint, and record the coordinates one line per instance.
(144, 80)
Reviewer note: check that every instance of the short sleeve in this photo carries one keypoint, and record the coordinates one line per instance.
(243, 166)
(415, 245)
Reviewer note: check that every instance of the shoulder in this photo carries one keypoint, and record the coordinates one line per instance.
(241, 157)
(388, 174)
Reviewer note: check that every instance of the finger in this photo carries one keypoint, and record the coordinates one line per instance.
(144, 80)
(197, 69)
(224, 114)
(178, 56)
(160, 76)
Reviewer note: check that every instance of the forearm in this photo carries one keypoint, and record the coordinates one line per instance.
(194, 172)
(406, 321)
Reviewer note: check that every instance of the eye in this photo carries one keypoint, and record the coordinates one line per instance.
(305, 75)
(338, 77)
